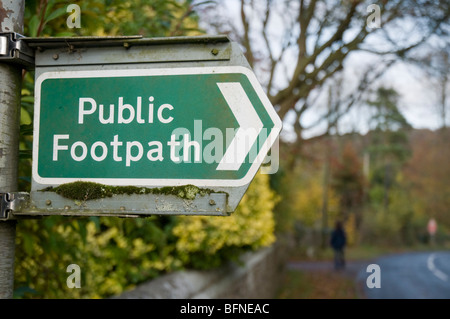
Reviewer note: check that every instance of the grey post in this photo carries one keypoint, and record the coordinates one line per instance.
(11, 20)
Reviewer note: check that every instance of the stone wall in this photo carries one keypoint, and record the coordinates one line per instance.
(257, 275)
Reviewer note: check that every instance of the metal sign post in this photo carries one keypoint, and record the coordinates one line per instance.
(10, 87)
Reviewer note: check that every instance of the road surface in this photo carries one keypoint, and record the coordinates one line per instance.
(421, 275)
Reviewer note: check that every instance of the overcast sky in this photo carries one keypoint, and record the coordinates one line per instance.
(418, 95)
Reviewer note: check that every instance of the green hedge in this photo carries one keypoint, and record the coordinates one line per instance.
(115, 254)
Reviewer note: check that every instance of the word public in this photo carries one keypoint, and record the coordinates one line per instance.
(121, 151)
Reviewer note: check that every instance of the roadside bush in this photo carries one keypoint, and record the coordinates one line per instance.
(114, 254)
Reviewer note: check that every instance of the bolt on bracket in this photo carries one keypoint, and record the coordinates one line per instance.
(13, 49)
(10, 202)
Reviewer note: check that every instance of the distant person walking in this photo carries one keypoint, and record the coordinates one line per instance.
(338, 241)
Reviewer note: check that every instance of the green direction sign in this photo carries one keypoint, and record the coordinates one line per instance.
(208, 126)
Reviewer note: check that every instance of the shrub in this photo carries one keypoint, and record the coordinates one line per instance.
(114, 254)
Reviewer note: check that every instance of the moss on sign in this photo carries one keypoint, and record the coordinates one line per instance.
(84, 191)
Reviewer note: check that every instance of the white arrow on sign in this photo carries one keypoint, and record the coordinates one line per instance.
(250, 126)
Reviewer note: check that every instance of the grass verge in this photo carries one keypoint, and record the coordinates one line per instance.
(317, 285)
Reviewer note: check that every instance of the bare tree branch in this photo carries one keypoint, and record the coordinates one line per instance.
(246, 36)
(318, 37)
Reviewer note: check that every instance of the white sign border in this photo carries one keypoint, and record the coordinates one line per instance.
(150, 182)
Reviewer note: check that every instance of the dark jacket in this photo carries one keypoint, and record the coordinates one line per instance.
(338, 239)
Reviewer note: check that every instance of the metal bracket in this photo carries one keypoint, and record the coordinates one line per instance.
(10, 202)
(14, 50)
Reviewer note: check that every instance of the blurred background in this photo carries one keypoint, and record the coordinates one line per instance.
(362, 89)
